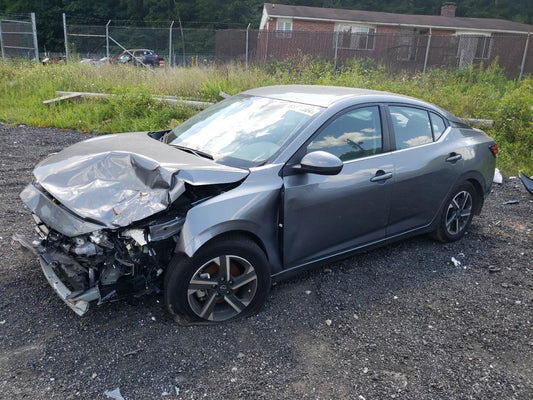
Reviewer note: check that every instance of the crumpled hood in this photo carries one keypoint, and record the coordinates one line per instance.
(119, 179)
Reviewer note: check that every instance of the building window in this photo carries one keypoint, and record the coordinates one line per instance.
(483, 47)
(473, 47)
(408, 42)
(354, 37)
(407, 47)
(284, 28)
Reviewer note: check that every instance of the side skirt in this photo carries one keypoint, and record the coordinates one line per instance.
(297, 269)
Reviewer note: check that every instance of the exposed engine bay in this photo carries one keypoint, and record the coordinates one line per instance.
(106, 265)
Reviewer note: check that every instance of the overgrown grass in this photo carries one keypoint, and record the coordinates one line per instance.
(469, 93)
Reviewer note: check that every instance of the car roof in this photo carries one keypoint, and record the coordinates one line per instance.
(326, 96)
(132, 50)
(317, 95)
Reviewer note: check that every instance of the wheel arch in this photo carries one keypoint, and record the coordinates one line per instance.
(236, 235)
(480, 195)
(232, 230)
(476, 179)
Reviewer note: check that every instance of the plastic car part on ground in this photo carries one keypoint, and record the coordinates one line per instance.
(114, 394)
(528, 182)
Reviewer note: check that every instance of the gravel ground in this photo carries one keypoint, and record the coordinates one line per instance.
(399, 322)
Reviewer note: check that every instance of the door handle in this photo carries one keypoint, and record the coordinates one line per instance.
(453, 157)
(381, 176)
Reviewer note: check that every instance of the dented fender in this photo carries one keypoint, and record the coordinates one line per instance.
(251, 208)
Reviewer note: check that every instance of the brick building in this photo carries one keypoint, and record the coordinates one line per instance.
(400, 40)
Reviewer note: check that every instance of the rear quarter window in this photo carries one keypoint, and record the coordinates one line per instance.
(437, 124)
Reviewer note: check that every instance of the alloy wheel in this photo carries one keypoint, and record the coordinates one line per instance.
(222, 288)
(458, 212)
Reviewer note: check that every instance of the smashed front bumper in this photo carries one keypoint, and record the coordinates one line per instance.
(49, 260)
(79, 303)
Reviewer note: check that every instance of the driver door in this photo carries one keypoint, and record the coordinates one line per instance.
(327, 215)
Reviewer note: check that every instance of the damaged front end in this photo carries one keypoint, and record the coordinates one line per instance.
(103, 265)
(109, 212)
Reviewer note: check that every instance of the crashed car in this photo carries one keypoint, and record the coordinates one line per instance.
(258, 187)
(139, 57)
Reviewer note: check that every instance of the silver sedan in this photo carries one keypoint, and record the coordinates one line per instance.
(258, 187)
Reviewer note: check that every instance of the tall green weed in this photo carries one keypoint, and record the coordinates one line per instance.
(514, 128)
(473, 92)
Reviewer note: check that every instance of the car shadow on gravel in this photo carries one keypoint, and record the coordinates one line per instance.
(374, 275)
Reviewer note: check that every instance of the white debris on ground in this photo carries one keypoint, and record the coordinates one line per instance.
(114, 394)
(498, 178)
(456, 262)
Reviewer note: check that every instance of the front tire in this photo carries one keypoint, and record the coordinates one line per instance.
(456, 216)
(225, 280)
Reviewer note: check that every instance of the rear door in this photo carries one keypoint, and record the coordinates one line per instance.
(326, 215)
(426, 168)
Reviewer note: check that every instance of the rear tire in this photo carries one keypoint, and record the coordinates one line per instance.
(456, 216)
(225, 280)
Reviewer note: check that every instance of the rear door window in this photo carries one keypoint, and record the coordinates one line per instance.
(411, 126)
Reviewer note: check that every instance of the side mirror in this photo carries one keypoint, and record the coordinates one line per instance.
(321, 163)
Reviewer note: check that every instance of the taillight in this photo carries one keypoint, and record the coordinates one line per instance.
(494, 150)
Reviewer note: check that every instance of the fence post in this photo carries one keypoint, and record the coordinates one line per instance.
(182, 42)
(266, 42)
(170, 45)
(336, 47)
(107, 39)
(524, 57)
(246, 62)
(34, 32)
(2, 42)
(65, 35)
(427, 52)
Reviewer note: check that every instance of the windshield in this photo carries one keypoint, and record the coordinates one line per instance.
(243, 131)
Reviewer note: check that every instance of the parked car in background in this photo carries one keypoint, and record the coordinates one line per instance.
(258, 187)
(142, 57)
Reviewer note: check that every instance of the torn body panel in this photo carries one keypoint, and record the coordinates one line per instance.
(102, 265)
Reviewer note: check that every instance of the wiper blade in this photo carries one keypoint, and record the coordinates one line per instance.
(194, 151)
(165, 136)
(159, 135)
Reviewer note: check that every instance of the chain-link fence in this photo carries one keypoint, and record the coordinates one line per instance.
(407, 52)
(173, 44)
(177, 45)
(18, 36)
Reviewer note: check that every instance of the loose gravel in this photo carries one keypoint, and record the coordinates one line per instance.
(400, 322)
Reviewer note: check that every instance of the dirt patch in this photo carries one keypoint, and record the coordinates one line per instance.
(402, 321)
